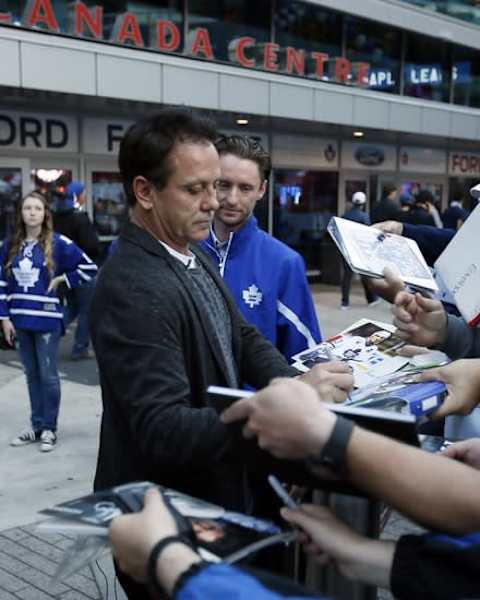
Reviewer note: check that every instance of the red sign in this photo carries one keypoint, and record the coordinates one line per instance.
(464, 164)
(244, 51)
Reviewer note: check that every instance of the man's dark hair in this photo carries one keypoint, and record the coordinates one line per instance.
(245, 147)
(388, 188)
(146, 147)
(424, 197)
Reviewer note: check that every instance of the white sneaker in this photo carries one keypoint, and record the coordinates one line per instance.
(27, 436)
(48, 441)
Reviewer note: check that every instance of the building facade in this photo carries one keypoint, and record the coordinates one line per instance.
(346, 96)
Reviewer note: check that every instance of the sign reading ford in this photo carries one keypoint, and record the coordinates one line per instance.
(166, 36)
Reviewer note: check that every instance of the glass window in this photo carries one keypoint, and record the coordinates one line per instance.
(106, 19)
(214, 26)
(51, 182)
(466, 76)
(10, 194)
(304, 202)
(309, 27)
(466, 10)
(109, 202)
(378, 45)
(427, 68)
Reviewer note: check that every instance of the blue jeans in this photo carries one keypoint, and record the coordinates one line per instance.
(78, 303)
(38, 352)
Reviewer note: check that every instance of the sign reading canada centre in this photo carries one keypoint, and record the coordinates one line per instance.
(164, 35)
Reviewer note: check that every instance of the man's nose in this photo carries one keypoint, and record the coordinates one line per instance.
(231, 195)
(210, 199)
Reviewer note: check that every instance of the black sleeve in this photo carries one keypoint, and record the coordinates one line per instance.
(87, 238)
(431, 240)
(436, 567)
(260, 360)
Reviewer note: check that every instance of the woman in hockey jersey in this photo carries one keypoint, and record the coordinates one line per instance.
(32, 266)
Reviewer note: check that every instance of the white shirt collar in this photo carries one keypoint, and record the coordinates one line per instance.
(188, 261)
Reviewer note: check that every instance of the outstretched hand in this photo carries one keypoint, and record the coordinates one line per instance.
(286, 417)
(133, 536)
(330, 540)
(462, 378)
(420, 321)
(467, 451)
(333, 380)
(388, 286)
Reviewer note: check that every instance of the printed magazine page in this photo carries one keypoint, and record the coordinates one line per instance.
(368, 251)
(367, 346)
(382, 379)
(220, 534)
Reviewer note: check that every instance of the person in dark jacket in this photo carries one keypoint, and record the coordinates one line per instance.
(356, 212)
(454, 216)
(75, 224)
(419, 213)
(388, 209)
(164, 326)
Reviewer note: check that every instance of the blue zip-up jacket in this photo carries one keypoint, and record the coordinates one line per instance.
(221, 581)
(23, 292)
(268, 282)
(425, 567)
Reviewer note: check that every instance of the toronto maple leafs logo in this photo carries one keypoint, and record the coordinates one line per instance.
(26, 274)
(252, 296)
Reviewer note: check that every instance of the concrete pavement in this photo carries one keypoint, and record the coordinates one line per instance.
(31, 480)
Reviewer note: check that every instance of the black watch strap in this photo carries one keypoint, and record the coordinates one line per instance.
(334, 452)
(155, 553)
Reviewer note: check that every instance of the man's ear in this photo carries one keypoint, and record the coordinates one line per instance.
(143, 190)
(262, 190)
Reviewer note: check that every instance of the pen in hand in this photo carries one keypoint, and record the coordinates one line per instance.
(281, 493)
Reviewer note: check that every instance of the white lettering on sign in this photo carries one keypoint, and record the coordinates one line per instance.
(421, 75)
(380, 79)
(22, 131)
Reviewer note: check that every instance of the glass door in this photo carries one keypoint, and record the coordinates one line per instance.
(108, 201)
(14, 184)
(51, 175)
(437, 186)
(350, 183)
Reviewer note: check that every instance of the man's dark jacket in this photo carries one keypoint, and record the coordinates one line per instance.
(157, 355)
(77, 226)
(385, 210)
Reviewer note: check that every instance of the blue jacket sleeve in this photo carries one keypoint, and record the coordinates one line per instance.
(436, 567)
(221, 581)
(73, 263)
(297, 323)
(431, 240)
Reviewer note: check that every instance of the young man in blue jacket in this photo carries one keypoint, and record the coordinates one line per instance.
(266, 278)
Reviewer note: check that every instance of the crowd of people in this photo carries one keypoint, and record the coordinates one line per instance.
(195, 294)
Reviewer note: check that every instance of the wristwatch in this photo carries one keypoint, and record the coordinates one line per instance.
(334, 452)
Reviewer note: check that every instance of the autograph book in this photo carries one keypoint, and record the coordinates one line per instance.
(368, 251)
